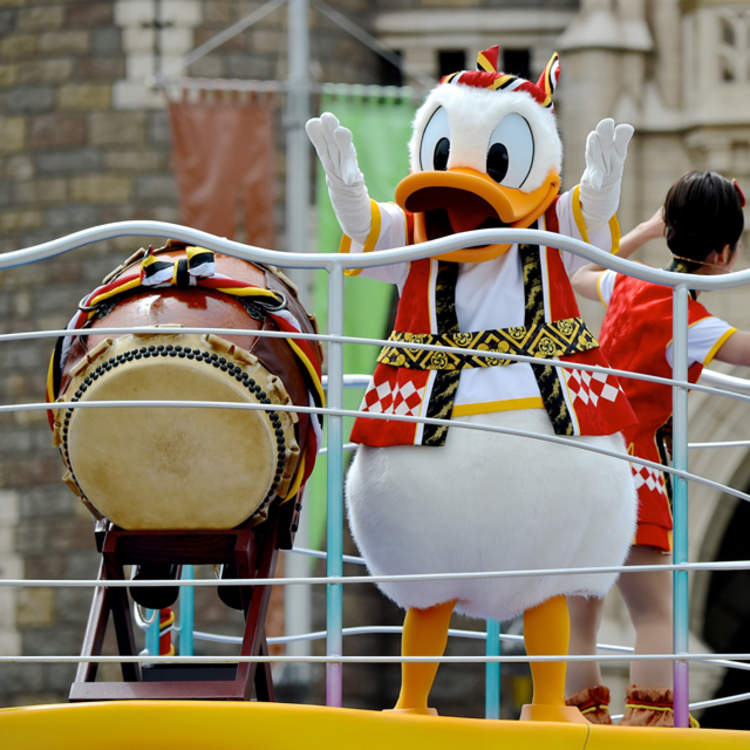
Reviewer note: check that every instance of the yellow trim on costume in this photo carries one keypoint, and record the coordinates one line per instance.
(578, 214)
(486, 407)
(501, 81)
(375, 224)
(485, 64)
(294, 489)
(614, 224)
(549, 87)
(715, 348)
(614, 231)
(370, 242)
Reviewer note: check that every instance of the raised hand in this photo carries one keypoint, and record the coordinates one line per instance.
(346, 183)
(606, 149)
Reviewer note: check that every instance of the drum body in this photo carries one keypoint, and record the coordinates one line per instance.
(185, 467)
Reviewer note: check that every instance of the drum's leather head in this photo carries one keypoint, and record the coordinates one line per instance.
(174, 467)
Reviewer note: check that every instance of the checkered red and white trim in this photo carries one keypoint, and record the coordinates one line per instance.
(589, 387)
(651, 478)
(402, 399)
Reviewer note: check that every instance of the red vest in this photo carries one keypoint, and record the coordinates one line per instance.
(635, 334)
(578, 403)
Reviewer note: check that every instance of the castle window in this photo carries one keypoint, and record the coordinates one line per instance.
(517, 62)
(733, 45)
(727, 32)
(390, 74)
(450, 61)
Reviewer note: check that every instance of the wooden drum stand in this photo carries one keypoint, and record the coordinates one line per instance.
(252, 552)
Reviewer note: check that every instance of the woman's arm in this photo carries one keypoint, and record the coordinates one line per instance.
(736, 349)
(586, 279)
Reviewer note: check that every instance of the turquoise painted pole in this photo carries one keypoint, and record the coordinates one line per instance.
(187, 612)
(680, 493)
(153, 632)
(492, 672)
(335, 532)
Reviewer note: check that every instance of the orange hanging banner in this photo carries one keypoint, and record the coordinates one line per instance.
(223, 152)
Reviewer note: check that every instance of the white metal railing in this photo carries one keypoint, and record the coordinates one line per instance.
(334, 265)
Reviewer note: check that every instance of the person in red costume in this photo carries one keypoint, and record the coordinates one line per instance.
(702, 221)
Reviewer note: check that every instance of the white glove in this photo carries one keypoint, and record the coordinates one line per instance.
(346, 183)
(606, 149)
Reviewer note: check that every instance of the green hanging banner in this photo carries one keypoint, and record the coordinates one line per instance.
(381, 129)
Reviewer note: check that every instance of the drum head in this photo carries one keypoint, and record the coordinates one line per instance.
(173, 467)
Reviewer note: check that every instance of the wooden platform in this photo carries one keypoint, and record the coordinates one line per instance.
(204, 725)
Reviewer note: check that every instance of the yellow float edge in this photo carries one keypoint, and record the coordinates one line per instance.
(205, 725)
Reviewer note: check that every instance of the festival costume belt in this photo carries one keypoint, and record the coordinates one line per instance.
(545, 340)
(538, 338)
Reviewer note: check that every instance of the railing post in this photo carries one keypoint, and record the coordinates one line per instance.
(153, 632)
(187, 612)
(681, 624)
(492, 672)
(335, 563)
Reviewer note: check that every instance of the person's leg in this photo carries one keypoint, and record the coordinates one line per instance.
(648, 597)
(585, 619)
(583, 682)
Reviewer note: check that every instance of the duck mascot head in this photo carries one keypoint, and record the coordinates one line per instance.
(448, 487)
(482, 160)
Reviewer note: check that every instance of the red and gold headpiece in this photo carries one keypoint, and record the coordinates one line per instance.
(487, 76)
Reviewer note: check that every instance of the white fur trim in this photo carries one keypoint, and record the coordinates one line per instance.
(487, 502)
(473, 114)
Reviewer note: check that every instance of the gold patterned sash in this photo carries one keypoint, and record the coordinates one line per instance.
(545, 340)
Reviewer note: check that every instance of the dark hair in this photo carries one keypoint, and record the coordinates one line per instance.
(702, 213)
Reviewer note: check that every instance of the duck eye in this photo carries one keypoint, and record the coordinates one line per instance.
(497, 161)
(436, 145)
(442, 150)
(510, 153)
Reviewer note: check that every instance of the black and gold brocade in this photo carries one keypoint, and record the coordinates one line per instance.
(537, 338)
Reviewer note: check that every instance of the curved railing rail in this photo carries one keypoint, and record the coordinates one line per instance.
(335, 266)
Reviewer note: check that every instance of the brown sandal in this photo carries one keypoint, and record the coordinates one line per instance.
(650, 707)
(593, 703)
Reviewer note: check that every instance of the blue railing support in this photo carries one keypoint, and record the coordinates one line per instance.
(681, 605)
(335, 564)
(187, 612)
(492, 672)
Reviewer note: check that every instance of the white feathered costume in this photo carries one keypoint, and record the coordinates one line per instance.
(485, 152)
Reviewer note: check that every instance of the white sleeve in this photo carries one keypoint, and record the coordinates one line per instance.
(567, 206)
(605, 285)
(705, 338)
(388, 230)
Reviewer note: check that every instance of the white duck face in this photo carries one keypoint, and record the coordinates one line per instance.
(480, 158)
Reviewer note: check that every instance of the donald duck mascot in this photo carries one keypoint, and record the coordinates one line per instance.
(454, 498)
